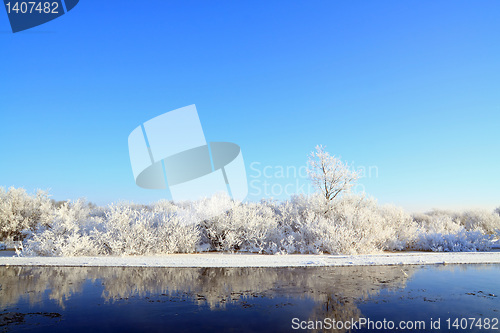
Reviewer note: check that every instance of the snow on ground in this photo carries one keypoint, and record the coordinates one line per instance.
(256, 260)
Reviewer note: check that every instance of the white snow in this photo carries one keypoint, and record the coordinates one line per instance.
(256, 260)
(307, 225)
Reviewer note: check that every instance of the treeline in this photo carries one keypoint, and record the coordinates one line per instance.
(352, 224)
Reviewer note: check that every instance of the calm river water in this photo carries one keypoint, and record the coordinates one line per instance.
(338, 299)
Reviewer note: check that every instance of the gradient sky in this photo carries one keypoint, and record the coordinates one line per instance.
(408, 88)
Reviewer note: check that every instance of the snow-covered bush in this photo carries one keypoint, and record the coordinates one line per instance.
(245, 227)
(121, 230)
(438, 222)
(449, 222)
(482, 220)
(454, 231)
(352, 224)
(21, 212)
(66, 235)
(461, 241)
(131, 231)
(355, 224)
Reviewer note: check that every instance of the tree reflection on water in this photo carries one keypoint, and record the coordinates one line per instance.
(334, 290)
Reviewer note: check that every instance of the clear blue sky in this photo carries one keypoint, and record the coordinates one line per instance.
(409, 87)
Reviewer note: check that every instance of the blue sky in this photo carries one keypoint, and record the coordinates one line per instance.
(408, 88)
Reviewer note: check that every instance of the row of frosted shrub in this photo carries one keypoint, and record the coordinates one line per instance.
(304, 224)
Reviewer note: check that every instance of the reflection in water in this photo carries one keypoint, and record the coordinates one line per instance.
(168, 298)
(333, 289)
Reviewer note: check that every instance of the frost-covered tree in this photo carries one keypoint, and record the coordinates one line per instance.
(329, 174)
(497, 210)
(21, 212)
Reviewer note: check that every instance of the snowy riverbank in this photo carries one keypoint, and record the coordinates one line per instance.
(256, 260)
